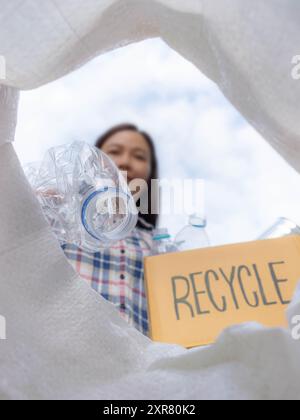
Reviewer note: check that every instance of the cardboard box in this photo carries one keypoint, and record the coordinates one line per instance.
(193, 296)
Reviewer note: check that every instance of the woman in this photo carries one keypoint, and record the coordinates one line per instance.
(117, 273)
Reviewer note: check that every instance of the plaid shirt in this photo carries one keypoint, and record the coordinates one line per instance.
(117, 274)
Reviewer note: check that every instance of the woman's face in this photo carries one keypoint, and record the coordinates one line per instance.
(131, 153)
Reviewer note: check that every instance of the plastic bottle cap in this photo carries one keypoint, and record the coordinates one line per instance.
(197, 221)
(160, 234)
(160, 237)
(122, 224)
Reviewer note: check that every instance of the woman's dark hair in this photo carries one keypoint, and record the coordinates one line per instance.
(149, 218)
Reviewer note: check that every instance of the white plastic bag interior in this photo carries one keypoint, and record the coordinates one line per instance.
(63, 340)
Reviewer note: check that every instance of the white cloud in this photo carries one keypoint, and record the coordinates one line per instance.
(197, 132)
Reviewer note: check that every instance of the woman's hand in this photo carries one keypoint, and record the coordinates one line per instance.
(50, 194)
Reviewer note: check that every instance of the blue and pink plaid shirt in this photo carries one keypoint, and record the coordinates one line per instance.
(117, 274)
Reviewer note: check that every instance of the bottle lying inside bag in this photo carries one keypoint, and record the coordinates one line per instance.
(84, 196)
(163, 243)
(194, 235)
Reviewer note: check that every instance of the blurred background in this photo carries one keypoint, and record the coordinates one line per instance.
(198, 134)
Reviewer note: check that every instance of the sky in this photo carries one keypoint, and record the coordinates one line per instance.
(198, 134)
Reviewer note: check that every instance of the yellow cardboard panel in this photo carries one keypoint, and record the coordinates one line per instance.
(193, 296)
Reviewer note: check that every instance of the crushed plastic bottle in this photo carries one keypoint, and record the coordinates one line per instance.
(84, 196)
(194, 235)
(281, 228)
(163, 243)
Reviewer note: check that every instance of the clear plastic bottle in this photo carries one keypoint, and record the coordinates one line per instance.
(193, 236)
(281, 228)
(163, 243)
(84, 196)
